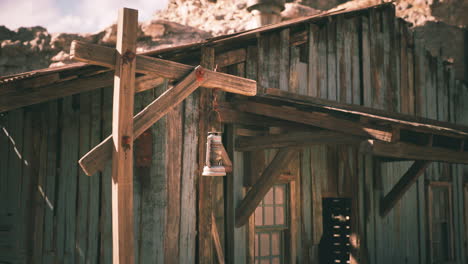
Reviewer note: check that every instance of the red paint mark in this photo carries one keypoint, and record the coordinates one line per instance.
(200, 74)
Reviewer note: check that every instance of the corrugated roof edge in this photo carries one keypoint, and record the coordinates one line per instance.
(211, 41)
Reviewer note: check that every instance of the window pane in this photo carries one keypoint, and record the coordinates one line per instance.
(275, 243)
(279, 216)
(264, 245)
(269, 197)
(279, 194)
(258, 216)
(441, 233)
(446, 243)
(256, 245)
(268, 215)
(270, 225)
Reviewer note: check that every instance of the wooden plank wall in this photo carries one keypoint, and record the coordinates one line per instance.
(459, 114)
(370, 59)
(52, 213)
(330, 171)
(389, 59)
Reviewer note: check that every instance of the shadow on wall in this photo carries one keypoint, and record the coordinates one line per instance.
(452, 12)
(446, 41)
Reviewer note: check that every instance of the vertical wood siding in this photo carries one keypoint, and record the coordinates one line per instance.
(51, 212)
(373, 60)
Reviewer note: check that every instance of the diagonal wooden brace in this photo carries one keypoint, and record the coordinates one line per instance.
(217, 240)
(402, 186)
(96, 158)
(104, 56)
(227, 163)
(269, 177)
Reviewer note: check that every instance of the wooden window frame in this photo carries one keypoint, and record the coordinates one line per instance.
(465, 213)
(285, 229)
(290, 233)
(429, 205)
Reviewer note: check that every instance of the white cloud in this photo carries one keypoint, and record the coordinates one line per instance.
(79, 16)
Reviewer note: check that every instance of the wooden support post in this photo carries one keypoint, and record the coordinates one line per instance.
(205, 189)
(122, 135)
(216, 240)
(269, 177)
(402, 186)
(96, 158)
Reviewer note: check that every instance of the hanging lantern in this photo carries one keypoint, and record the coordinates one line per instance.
(214, 156)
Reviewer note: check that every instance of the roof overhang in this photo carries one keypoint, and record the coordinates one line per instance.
(39, 86)
(381, 133)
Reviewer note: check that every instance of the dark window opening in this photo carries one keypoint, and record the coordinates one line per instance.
(335, 246)
(440, 222)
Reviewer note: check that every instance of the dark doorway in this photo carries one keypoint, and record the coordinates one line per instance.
(334, 245)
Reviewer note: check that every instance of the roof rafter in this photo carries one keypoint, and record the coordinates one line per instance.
(104, 56)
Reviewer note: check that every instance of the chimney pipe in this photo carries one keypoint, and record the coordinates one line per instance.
(266, 11)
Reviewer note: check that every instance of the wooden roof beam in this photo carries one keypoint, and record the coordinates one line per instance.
(96, 158)
(104, 56)
(295, 139)
(371, 115)
(12, 97)
(318, 119)
(269, 177)
(402, 186)
(413, 152)
(229, 115)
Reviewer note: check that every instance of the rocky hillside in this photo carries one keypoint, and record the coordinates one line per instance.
(33, 48)
(182, 22)
(185, 21)
(419, 12)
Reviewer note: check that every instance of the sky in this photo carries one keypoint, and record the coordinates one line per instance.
(71, 16)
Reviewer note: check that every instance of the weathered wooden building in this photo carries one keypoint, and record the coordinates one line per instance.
(356, 106)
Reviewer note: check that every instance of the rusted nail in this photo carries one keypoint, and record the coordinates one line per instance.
(200, 74)
(128, 57)
(126, 142)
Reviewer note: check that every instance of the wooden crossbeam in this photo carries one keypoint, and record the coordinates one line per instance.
(318, 119)
(122, 138)
(402, 186)
(295, 139)
(269, 177)
(103, 56)
(205, 184)
(27, 93)
(285, 178)
(402, 150)
(96, 158)
(229, 115)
